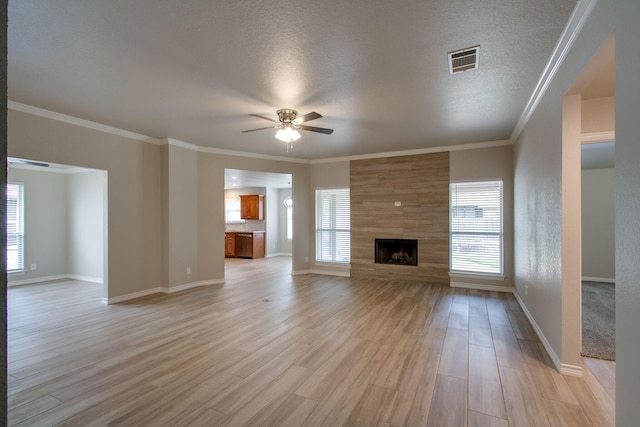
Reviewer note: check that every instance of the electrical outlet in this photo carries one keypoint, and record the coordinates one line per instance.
(306, 259)
(34, 267)
(188, 270)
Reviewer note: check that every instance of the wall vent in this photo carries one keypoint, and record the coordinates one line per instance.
(464, 60)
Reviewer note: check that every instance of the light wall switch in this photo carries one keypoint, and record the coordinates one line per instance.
(188, 270)
(34, 267)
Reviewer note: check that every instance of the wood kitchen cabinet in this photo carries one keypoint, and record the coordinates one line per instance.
(252, 207)
(245, 245)
(229, 245)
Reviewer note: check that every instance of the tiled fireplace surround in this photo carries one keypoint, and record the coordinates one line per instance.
(401, 198)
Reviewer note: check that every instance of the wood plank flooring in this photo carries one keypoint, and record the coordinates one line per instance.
(272, 349)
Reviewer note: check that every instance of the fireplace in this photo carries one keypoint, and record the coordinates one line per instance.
(396, 251)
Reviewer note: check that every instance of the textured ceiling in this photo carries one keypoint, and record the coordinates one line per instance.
(375, 69)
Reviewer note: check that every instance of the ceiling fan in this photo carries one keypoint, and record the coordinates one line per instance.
(289, 123)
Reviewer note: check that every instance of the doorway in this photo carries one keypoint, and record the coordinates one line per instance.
(64, 220)
(276, 222)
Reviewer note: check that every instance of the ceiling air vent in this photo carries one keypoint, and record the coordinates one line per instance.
(464, 60)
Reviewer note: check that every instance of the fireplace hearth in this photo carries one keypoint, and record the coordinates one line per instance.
(396, 251)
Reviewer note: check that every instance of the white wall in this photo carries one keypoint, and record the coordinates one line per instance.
(86, 225)
(598, 225)
(45, 217)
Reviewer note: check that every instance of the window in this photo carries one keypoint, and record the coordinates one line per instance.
(288, 204)
(15, 227)
(333, 225)
(476, 227)
(232, 210)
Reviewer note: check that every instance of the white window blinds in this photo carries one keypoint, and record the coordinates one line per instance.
(333, 225)
(476, 227)
(15, 227)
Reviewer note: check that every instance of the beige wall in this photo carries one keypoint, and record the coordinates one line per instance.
(325, 175)
(133, 190)
(45, 216)
(627, 184)
(489, 164)
(182, 193)
(541, 177)
(211, 223)
(598, 114)
(86, 225)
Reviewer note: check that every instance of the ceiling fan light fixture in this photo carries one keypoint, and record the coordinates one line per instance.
(288, 134)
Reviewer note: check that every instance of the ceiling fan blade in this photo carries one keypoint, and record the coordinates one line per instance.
(265, 117)
(316, 129)
(307, 117)
(253, 130)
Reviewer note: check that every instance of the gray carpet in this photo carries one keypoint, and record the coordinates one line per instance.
(598, 320)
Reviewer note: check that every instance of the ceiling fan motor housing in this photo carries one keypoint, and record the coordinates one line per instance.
(286, 115)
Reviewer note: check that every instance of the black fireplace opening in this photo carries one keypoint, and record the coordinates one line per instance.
(396, 251)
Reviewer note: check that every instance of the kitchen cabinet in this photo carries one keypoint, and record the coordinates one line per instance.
(229, 245)
(252, 207)
(249, 244)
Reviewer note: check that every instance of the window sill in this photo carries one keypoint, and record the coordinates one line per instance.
(485, 276)
(16, 272)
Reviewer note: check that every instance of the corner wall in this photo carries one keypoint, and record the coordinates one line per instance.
(133, 190)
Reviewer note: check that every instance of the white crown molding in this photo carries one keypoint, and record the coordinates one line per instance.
(595, 137)
(252, 155)
(459, 147)
(47, 114)
(180, 144)
(577, 20)
(41, 112)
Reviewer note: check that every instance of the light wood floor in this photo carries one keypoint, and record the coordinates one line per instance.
(269, 349)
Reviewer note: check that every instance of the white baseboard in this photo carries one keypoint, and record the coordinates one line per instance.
(563, 368)
(599, 279)
(300, 272)
(57, 277)
(134, 295)
(185, 286)
(162, 290)
(339, 273)
(86, 278)
(495, 288)
(277, 254)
